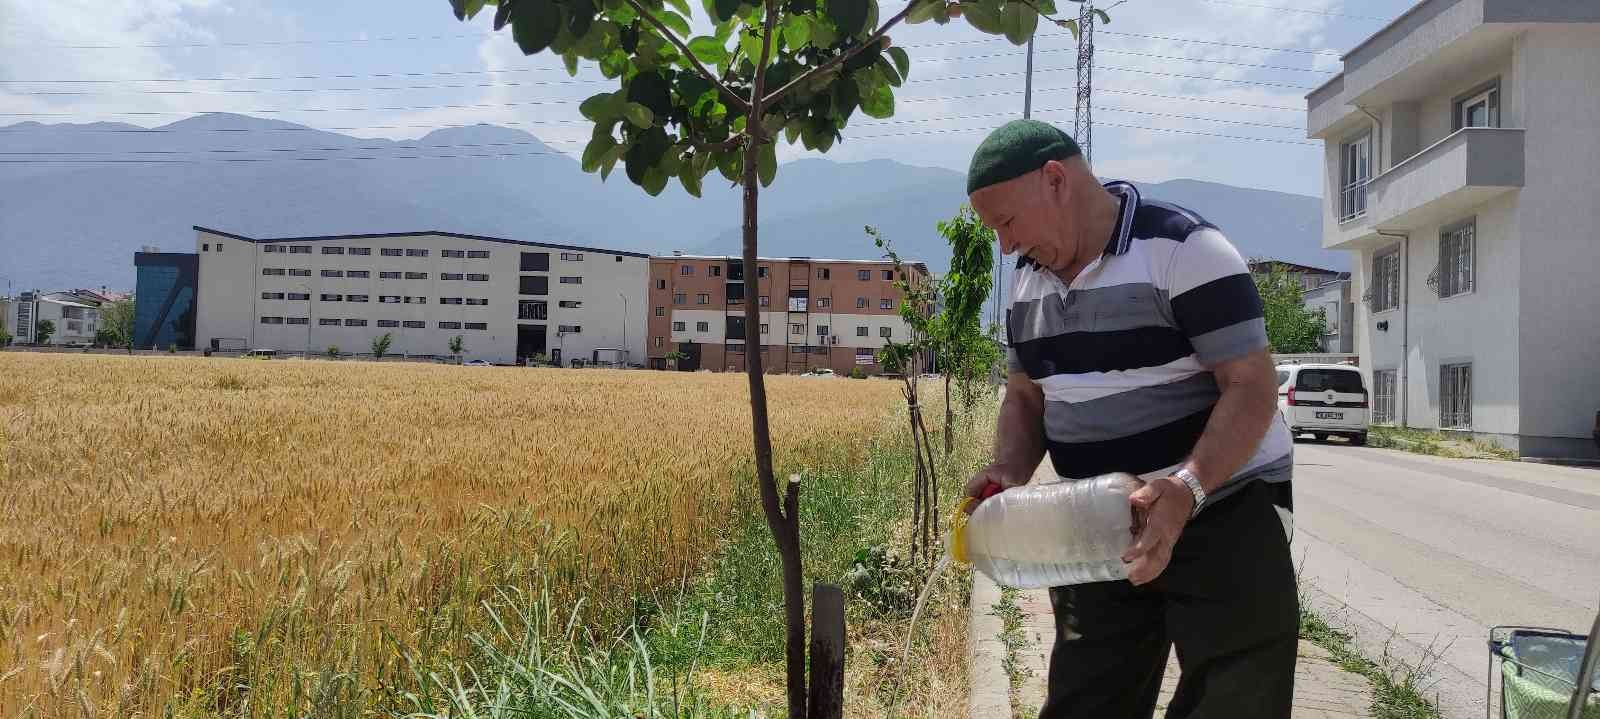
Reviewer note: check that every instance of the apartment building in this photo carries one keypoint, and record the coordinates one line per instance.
(509, 300)
(75, 318)
(815, 313)
(1460, 170)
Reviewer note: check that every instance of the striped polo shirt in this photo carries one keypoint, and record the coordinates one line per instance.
(1122, 352)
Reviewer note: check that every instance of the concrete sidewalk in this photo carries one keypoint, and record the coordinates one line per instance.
(1322, 690)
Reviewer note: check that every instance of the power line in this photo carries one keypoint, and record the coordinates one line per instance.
(1309, 11)
(1271, 48)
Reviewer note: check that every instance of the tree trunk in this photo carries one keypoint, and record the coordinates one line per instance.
(783, 521)
(949, 415)
(917, 475)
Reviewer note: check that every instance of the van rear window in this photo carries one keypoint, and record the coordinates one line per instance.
(1338, 380)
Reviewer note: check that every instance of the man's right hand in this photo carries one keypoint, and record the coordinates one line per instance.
(996, 473)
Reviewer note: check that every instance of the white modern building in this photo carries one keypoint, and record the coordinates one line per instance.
(508, 300)
(1463, 168)
(75, 320)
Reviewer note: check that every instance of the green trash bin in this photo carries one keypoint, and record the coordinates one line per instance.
(1539, 675)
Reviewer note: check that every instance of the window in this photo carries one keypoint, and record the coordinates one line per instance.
(355, 298)
(763, 329)
(269, 249)
(571, 304)
(762, 271)
(478, 301)
(702, 326)
(300, 250)
(357, 274)
(714, 271)
(861, 303)
(1479, 109)
(388, 299)
(449, 325)
(797, 329)
(569, 329)
(270, 271)
(299, 320)
(702, 299)
(888, 275)
(765, 300)
(299, 273)
(535, 262)
(449, 276)
(219, 248)
(1383, 391)
(1355, 169)
(388, 275)
(363, 251)
(861, 331)
(416, 275)
(477, 254)
(686, 270)
(272, 320)
(1455, 396)
(450, 300)
(477, 325)
(328, 322)
(331, 298)
(679, 298)
(661, 284)
(388, 323)
(533, 285)
(572, 257)
(823, 273)
(885, 304)
(532, 310)
(1455, 260)
(477, 278)
(333, 273)
(355, 323)
(822, 330)
(416, 300)
(416, 252)
(452, 253)
(414, 324)
(1386, 281)
(798, 300)
(661, 312)
(333, 250)
(618, 258)
(206, 247)
(572, 280)
(391, 252)
(885, 332)
(734, 292)
(678, 326)
(272, 295)
(863, 275)
(656, 341)
(300, 296)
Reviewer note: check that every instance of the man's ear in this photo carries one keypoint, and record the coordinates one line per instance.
(1055, 177)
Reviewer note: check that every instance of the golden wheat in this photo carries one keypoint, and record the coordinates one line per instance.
(191, 536)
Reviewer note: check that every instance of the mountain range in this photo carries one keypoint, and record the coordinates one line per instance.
(110, 188)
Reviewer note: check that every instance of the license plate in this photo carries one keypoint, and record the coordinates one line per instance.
(1330, 415)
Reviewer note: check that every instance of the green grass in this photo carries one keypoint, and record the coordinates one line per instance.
(1397, 686)
(1437, 444)
(1015, 641)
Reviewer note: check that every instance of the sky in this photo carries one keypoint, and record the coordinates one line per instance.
(1177, 82)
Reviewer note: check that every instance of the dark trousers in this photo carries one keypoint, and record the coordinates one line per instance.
(1227, 601)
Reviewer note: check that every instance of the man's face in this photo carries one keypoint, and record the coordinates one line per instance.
(1027, 216)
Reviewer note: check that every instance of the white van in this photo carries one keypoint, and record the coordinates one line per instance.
(1324, 400)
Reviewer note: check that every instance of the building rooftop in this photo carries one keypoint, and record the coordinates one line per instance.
(419, 233)
(815, 260)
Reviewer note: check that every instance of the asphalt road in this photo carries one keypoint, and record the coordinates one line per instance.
(1420, 556)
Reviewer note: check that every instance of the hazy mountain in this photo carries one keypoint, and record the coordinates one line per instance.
(76, 221)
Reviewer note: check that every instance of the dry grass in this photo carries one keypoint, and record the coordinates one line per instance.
(195, 537)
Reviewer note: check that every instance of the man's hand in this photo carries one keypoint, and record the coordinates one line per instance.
(1161, 509)
(1003, 475)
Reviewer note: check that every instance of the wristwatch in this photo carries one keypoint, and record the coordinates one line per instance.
(1193, 482)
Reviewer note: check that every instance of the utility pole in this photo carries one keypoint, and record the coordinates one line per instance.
(624, 329)
(1083, 111)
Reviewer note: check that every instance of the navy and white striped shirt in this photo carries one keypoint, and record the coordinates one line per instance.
(1123, 353)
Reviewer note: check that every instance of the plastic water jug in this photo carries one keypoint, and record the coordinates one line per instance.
(1049, 534)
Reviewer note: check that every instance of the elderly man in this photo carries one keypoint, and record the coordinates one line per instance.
(1137, 344)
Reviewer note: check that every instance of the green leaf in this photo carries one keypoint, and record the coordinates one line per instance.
(639, 115)
(823, 33)
(674, 21)
(682, 6)
(502, 15)
(886, 69)
(708, 50)
(1070, 25)
(1104, 18)
(645, 153)
(731, 164)
(984, 16)
(459, 7)
(580, 17)
(751, 46)
(1019, 21)
(655, 180)
(791, 131)
(609, 161)
(724, 9)
(846, 98)
(902, 61)
(877, 102)
(848, 15)
(536, 23)
(925, 10)
(648, 88)
(767, 163)
(604, 107)
(623, 15)
(596, 151)
(797, 31)
(690, 179)
(571, 61)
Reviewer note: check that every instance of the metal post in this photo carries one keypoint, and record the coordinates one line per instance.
(1027, 84)
(624, 329)
(1586, 673)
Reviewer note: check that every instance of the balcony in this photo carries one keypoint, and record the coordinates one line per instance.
(1467, 168)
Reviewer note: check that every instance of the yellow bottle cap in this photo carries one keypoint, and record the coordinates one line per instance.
(958, 531)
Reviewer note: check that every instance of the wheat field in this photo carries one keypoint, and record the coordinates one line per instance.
(199, 537)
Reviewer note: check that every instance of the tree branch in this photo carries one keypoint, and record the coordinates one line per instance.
(876, 36)
(753, 124)
(728, 144)
(684, 48)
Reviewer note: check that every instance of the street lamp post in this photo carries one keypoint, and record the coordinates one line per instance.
(311, 313)
(624, 329)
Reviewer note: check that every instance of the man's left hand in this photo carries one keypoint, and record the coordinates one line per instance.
(1162, 507)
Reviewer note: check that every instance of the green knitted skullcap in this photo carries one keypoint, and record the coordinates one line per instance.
(1016, 149)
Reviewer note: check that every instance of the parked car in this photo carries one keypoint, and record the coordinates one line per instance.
(477, 363)
(260, 354)
(1324, 400)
